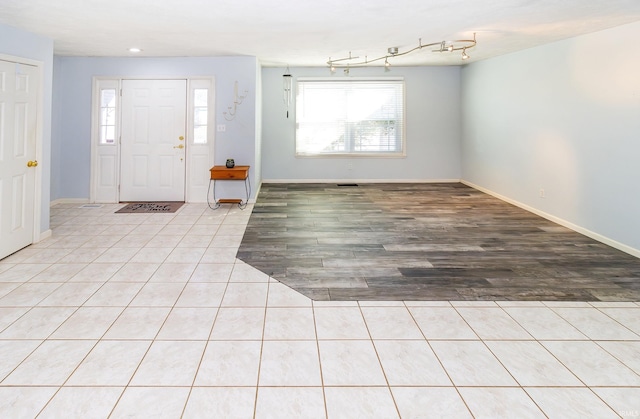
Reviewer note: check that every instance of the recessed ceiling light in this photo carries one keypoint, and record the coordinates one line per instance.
(134, 50)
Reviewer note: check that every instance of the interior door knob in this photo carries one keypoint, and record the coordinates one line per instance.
(179, 146)
(33, 163)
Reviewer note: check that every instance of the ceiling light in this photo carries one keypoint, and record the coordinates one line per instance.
(392, 52)
(135, 50)
(332, 68)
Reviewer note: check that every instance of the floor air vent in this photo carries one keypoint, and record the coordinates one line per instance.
(347, 184)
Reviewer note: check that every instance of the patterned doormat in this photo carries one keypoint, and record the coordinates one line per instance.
(150, 207)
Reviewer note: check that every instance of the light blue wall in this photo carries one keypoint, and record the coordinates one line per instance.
(432, 130)
(563, 117)
(72, 100)
(23, 44)
(258, 135)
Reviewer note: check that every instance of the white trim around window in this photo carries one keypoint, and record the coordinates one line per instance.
(350, 117)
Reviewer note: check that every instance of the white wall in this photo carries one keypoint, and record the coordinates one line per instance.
(432, 131)
(563, 117)
(72, 101)
(18, 43)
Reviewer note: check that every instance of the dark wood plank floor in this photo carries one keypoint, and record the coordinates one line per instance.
(425, 242)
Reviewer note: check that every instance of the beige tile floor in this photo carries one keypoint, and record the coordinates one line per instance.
(135, 315)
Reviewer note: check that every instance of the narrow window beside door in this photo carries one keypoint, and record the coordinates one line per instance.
(200, 111)
(107, 127)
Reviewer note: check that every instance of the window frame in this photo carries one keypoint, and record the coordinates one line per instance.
(102, 86)
(194, 120)
(401, 153)
(108, 114)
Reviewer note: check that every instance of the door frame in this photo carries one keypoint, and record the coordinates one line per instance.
(198, 157)
(149, 140)
(37, 202)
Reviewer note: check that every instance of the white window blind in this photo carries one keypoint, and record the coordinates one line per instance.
(350, 116)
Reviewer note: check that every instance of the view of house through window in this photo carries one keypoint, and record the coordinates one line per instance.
(350, 116)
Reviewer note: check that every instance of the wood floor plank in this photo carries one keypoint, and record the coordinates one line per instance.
(426, 241)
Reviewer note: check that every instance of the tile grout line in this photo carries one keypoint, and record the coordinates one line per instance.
(97, 341)
(195, 376)
(375, 349)
(264, 326)
(315, 329)
(128, 385)
(453, 384)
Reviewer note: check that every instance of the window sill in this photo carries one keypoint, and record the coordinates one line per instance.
(352, 155)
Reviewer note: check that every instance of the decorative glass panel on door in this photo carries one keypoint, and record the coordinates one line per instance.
(200, 115)
(108, 116)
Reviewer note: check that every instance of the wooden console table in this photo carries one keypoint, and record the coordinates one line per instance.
(225, 173)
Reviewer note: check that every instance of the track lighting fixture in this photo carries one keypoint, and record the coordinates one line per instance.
(392, 52)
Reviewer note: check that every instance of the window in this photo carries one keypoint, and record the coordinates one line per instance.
(350, 116)
(107, 124)
(200, 115)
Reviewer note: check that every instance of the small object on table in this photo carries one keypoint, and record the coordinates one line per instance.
(230, 163)
(229, 173)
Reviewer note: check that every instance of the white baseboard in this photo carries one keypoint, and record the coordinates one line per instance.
(257, 192)
(596, 236)
(44, 235)
(69, 201)
(360, 181)
(81, 201)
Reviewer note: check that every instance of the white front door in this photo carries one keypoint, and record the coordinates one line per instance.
(18, 126)
(152, 159)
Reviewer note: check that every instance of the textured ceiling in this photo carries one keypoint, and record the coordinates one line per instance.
(307, 33)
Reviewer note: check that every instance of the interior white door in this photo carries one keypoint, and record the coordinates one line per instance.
(18, 126)
(152, 154)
